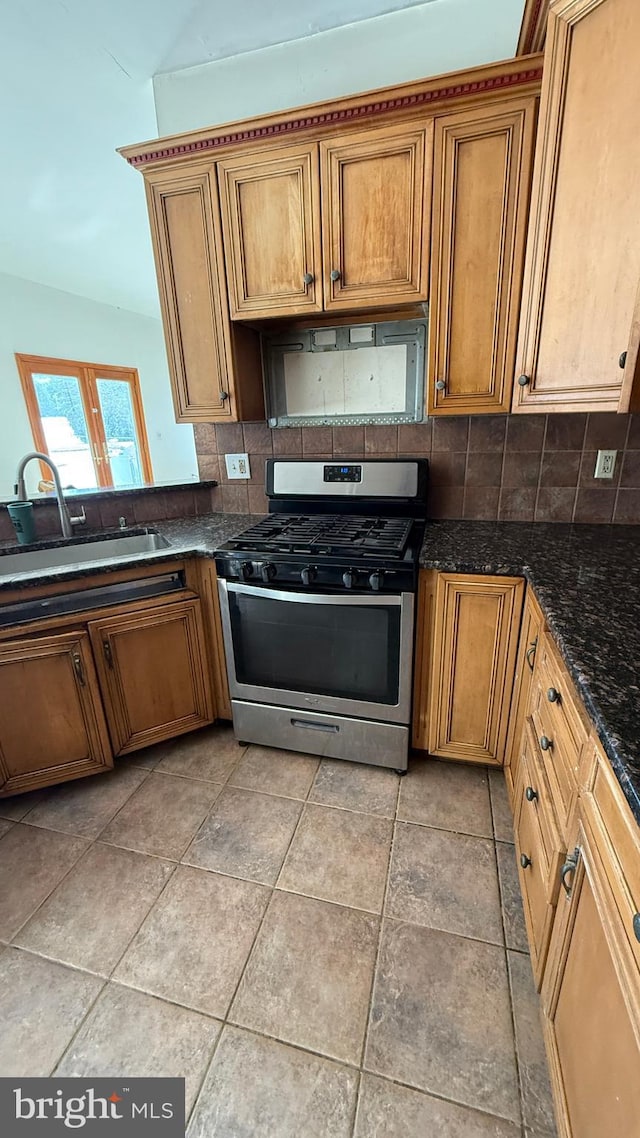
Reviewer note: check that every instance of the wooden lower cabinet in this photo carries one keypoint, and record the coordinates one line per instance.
(154, 674)
(52, 726)
(591, 1004)
(475, 639)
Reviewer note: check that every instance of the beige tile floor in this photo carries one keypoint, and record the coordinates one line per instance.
(322, 950)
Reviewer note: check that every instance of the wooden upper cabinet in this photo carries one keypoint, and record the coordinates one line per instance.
(475, 639)
(481, 180)
(154, 674)
(376, 187)
(52, 726)
(591, 1003)
(203, 351)
(583, 253)
(271, 230)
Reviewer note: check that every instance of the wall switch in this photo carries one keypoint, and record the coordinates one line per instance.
(237, 465)
(605, 464)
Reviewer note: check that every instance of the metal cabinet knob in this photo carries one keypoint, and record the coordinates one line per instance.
(525, 861)
(440, 385)
(524, 380)
(531, 795)
(622, 362)
(545, 743)
(553, 695)
(307, 279)
(636, 926)
(224, 395)
(335, 274)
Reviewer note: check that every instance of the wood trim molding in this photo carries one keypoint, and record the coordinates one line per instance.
(489, 80)
(533, 31)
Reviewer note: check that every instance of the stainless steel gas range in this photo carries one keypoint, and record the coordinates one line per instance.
(318, 609)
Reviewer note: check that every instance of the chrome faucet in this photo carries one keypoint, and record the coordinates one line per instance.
(66, 520)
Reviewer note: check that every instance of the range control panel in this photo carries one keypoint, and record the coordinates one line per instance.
(337, 473)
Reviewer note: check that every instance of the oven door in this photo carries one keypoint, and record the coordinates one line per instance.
(350, 655)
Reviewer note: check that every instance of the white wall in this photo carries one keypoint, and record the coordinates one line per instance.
(427, 40)
(44, 321)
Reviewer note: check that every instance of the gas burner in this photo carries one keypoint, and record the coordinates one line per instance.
(328, 535)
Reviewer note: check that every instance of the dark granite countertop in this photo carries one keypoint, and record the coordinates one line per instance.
(586, 579)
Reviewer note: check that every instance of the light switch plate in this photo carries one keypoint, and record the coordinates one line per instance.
(237, 465)
(605, 464)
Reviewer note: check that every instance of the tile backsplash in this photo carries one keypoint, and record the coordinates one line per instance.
(511, 467)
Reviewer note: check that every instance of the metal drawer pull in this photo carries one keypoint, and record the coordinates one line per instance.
(553, 695)
(545, 743)
(108, 655)
(531, 653)
(525, 861)
(312, 725)
(78, 669)
(569, 866)
(636, 926)
(531, 795)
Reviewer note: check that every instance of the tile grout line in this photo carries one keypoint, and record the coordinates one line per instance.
(374, 972)
(506, 965)
(620, 472)
(225, 1021)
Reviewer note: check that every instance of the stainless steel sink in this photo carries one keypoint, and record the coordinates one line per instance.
(81, 553)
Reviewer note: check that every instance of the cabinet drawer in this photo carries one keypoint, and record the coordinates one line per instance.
(556, 757)
(619, 845)
(540, 853)
(557, 716)
(567, 716)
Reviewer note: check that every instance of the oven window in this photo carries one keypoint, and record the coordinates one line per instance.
(348, 652)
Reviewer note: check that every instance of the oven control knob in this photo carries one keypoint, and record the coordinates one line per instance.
(268, 571)
(349, 578)
(376, 579)
(308, 575)
(246, 570)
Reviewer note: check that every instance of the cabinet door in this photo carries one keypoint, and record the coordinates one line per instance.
(271, 228)
(481, 176)
(187, 243)
(532, 625)
(52, 726)
(153, 672)
(376, 188)
(476, 626)
(583, 252)
(591, 1004)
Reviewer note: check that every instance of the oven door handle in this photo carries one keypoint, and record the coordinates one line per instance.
(394, 599)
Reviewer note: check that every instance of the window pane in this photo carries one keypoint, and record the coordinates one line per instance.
(120, 432)
(65, 428)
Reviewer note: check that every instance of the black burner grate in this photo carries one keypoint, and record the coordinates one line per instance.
(328, 534)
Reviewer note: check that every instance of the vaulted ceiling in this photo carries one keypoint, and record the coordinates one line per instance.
(76, 82)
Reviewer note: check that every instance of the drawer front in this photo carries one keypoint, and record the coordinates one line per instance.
(567, 716)
(555, 755)
(619, 845)
(539, 859)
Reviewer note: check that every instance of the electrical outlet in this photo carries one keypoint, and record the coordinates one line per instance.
(605, 464)
(237, 465)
